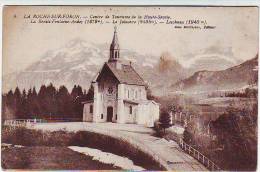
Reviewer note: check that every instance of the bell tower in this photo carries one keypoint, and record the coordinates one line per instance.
(114, 48)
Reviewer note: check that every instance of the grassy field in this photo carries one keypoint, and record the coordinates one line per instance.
(61, 139)
(49, 158)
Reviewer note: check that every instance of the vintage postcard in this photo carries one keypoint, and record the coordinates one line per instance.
(130, 88)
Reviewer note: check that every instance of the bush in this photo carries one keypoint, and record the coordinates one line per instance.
(158, 130)
(231, 142)
(165, 120)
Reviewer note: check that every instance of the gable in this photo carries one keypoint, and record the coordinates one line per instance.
(125, 75)
(106, 73)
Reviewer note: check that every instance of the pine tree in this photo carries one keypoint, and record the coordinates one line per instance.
(8, 106)
(80, 92)
(42, 101)
(48, 103)
(29, 103)
(165, 120)
(77, 96)
(35, 107)
(51, 101)
(90, 94)
(17, 102)
(64, 103)
(10, 99)
(23, 111)
(74, 92)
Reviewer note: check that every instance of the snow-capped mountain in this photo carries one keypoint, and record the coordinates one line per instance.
(211, 58)
(77, 63)
(235, 77)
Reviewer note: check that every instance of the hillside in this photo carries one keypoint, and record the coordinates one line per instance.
(231, 78)
(78, 61)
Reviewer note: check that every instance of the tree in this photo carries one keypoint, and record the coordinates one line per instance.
(64, 103)
(74, 92)
(187, 135)
(8, 108)
(17, 102)
(165, 119)
(51, 99)
(236, 133)
(77, 96)
(149, 94)
(23, 110)
(47, 103)
(41, 99)
(89, 95)
(34, 104)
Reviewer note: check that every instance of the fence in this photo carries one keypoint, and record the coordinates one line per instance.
(199, 156)
(181, 117)
(24, 122)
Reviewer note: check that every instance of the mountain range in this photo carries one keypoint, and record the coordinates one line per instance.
(235, 77)
(211, 58)
(78, 62)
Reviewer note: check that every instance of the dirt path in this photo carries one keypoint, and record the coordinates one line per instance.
(169, 154)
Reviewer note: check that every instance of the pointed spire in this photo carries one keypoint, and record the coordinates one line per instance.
(115, 44)
(114, 47)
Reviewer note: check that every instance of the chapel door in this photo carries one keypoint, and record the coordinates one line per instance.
(109, 114)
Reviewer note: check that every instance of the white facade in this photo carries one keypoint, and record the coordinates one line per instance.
(120, 94)
(127, 104)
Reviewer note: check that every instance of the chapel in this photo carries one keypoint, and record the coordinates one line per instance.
(120, 93)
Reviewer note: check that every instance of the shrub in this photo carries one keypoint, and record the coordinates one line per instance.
(158, 130)
(165, 120)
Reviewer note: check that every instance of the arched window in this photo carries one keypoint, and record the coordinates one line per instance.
(102, 116)
(116, 54)
(91, 109)
(130, 109)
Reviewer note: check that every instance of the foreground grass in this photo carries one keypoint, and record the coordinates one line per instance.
(62, 138)
(49, 158)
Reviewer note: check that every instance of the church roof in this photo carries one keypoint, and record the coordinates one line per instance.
(125, 75)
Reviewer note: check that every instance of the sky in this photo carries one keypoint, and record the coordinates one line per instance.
(25, 43)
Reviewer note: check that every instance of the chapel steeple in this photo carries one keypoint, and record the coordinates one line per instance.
(114, 48)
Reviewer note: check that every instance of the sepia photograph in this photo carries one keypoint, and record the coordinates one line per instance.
(143, 88)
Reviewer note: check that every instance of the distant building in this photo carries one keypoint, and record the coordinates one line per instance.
(120, 94)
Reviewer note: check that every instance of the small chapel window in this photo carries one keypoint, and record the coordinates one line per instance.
(102, 116)
(91, 109)
(130, 110)
(132, 94)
